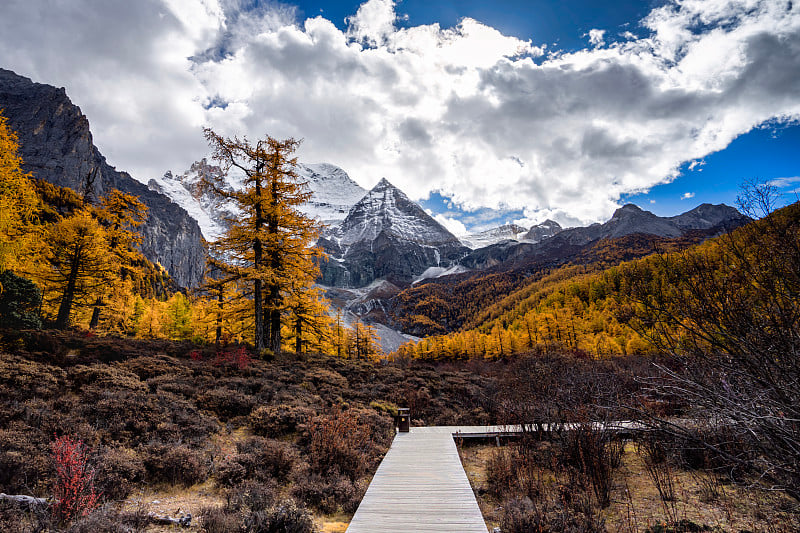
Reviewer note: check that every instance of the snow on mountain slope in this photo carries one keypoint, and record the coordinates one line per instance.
(493, 236)
(333, 194)
(386, 209)
(184, 189)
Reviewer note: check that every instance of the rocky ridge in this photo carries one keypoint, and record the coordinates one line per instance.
(627, 220)
(57, 147)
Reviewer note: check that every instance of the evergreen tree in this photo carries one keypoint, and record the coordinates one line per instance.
(267, 248)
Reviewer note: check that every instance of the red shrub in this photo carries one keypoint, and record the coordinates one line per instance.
(74, 492)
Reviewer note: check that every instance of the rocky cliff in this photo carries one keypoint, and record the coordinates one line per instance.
(57, 147)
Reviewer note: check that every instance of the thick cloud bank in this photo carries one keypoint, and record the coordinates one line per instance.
(487, 119)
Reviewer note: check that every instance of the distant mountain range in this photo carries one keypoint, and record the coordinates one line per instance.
(379, 242)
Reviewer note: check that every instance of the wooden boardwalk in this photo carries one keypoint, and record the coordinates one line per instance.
(420, 485)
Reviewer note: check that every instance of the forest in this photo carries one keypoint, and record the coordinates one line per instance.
(246, 405)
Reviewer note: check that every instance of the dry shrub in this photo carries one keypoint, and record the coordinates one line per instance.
(122, 415)
(513, 471)
(174, 464)
(149, 367)
(252, 496)
(21, 379)
(25, 462)
(229, 472)
(103, 520)
(594, 453)
(286, 517)
(219, 520)
(118, 471)
(526, 516)
(226, 403)
(97, 378)
(328, 494)
(279, 420)
(345, 443)
(267, 458)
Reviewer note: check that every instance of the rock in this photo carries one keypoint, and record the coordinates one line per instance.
(539, 232)
(57, 147)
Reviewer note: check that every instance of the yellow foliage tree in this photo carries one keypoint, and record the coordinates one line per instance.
(18, 203)
(266, 251)
(81, 267)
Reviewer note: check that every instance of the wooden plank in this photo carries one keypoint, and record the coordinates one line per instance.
(420, 486)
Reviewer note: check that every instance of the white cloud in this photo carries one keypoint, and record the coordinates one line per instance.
(784, 182)
(456, 227)
(687, 195)
(463, 110)
(597, 37)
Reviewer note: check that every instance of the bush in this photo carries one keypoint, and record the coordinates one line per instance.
(219, 520)
(592, 453)
(176, 465)
(279, 420)
(267, 458)
(287, 517)
(226, 403)
(327, 495)
(25, 462)
(117, 473)
(103, 520)
(347, 442)
(74, 494)
(252, 496)
(525, 516)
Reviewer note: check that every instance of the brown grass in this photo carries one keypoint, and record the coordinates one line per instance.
(636, 505)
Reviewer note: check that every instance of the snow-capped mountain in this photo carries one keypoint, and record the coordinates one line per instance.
(492, 236)
(333, 194)
(386, 235)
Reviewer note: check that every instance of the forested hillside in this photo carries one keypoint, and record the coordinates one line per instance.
(585, 306)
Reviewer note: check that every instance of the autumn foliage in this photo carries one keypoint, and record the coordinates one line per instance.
(74, 494)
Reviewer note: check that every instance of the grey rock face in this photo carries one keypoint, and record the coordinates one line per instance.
(57, 147)
(386, 235)
(539, 232)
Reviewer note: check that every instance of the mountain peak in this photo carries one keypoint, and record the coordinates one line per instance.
(383, 184)
(628, 209)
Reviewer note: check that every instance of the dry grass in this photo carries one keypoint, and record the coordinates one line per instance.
(637, 507)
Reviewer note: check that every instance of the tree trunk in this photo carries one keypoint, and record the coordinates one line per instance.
(298, 331)
(221, 301)
(65, 308)
(96, 313)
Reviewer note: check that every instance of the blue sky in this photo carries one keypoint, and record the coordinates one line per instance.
(485, 112)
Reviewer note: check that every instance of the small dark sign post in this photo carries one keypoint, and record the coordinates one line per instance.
(403, 419)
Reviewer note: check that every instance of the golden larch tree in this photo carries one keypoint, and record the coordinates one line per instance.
(267, 249)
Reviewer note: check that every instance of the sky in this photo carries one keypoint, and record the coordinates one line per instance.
(485, 112)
